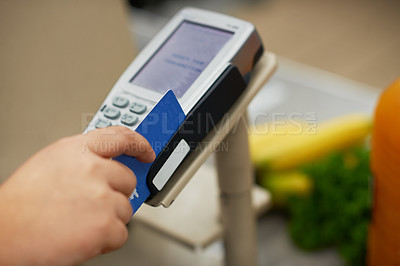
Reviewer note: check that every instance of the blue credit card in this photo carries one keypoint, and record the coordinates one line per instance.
(158, 127)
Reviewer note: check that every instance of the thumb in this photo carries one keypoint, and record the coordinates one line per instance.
(116, 140)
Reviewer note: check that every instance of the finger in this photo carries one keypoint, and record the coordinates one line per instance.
(119, 177)
(123, 208)
(116, 140)
(116, 238)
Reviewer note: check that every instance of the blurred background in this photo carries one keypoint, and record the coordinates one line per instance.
(60, 58)
(357, 39)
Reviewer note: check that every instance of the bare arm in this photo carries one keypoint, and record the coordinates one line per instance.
(69, 202)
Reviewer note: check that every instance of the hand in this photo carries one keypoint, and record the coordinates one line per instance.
(69, 201)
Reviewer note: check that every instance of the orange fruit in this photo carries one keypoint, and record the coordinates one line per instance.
(384, 232)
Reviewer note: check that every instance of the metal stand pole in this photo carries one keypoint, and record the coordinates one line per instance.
(235, 177)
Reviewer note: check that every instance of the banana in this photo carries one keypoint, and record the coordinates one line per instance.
(292, 145)
(285, 184)
(268, 134)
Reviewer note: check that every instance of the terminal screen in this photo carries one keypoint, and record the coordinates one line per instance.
(182, 58)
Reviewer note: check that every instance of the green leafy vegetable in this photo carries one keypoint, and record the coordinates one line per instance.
(337, 211)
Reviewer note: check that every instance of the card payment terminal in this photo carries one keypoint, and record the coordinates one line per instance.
(189, 75)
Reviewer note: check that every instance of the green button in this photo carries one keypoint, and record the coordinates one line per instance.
(120, 101)
(138, 108)
(100, 123)
(129, 120)
(111, 113)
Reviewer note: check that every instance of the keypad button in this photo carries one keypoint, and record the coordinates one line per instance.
(111, 113)
(100, 123)
(129, 120)
(120, 101)
(138, 108)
